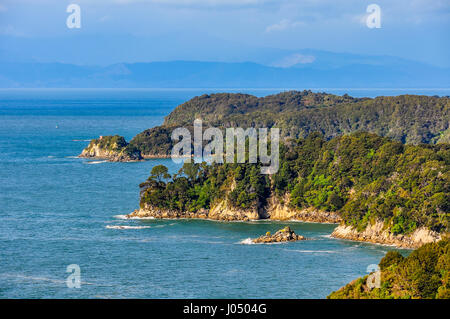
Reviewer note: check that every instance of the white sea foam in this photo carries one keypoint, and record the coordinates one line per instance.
(95, 162)
(120, 216)
(126, 227)
(36, 278)
(52, 280)
(247, 241)
(134, 217)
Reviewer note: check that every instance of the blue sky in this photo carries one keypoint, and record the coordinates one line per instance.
(221, 30)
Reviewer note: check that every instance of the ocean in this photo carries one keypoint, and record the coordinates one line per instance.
(58, 210)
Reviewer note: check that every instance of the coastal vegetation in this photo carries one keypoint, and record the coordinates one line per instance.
(410, 119)
(363, 177)
(363, 161)
(379, 166)
(425, 273)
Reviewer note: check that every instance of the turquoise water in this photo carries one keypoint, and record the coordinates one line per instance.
(57, 210)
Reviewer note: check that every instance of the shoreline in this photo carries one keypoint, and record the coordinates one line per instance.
(112, 159)
(262, 220)
(373, 234)
(377, 234)
(108, 159)
(222, 212)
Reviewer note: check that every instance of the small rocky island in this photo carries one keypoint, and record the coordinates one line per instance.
(112, 148)
(285, 234)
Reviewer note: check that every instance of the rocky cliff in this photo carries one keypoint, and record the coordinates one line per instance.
(217, 213)
(279, 209)
(377, 233)
(222, 210)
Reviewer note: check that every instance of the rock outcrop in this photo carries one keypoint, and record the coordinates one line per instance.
(225, 212)
(221, 212)
(112, 148)
(377, 233)
(283, 235)
(279, 209)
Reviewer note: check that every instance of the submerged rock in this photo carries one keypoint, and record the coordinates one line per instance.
(285, 234)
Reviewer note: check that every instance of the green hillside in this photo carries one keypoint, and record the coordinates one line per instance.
(425, 273)
(410, 119)
(363, 177)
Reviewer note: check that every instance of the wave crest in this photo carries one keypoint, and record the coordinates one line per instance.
(247, 241)
(134, 217)
(126, 227)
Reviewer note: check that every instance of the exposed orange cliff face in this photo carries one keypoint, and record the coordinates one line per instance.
(279, 209)
(377, 233)
(222, 210)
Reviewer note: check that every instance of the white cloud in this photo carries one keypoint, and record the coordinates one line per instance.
(283, 25)
(3, 8)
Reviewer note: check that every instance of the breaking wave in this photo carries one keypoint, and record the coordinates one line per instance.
(247, 241)
(126, 227)
(134, 217)
(95, 162)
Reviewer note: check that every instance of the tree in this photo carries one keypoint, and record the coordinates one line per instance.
(159, 172)
(190, 170)
(391, 258)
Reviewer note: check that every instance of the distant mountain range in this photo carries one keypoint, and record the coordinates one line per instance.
(296, 69)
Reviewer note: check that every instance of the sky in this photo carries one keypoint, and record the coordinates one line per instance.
(265, 31)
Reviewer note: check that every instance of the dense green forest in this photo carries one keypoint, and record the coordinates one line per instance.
(362, 176)
(410, 119)
(425, 273)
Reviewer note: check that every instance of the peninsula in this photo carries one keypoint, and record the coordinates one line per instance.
(377, 167)
(409, 119)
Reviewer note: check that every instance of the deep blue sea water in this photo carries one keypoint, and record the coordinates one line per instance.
(57, 210)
